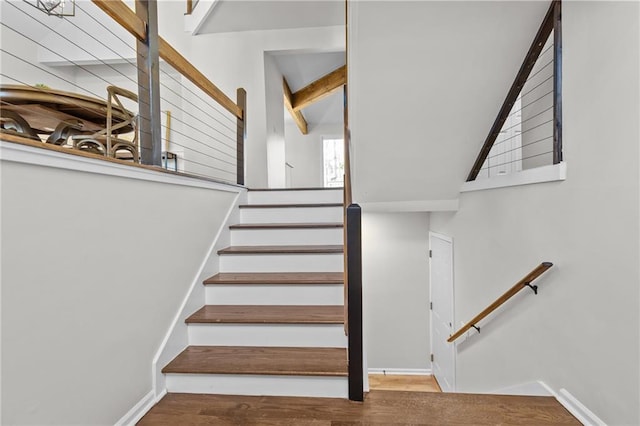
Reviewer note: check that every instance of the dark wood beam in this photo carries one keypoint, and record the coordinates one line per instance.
(297, 115)
(321, 88)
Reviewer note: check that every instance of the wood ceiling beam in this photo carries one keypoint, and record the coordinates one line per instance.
(297, 115)
(321, 88)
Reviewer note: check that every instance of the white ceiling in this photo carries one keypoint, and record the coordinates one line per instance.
(252, 15)
(299, 69)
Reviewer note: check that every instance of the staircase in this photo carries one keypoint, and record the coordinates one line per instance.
(273, 319)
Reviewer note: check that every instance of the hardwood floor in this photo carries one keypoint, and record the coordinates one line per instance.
(326, 225)
(403, 383)
(380, 408)
(280, 206)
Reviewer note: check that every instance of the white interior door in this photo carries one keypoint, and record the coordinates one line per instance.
(443, 363)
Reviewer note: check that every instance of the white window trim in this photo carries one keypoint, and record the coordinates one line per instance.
(25, 154)
(552, 173)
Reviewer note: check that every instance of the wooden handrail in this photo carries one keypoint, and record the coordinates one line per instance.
(525, 282)
(123, 15)
(189, 7)
(184, 67)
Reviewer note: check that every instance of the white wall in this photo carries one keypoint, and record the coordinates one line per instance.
(304, 152)
(21, 64)
(395, 284)
(94, 269)
(274, 109)
(582, 331)
(426, 81)
(234, 60)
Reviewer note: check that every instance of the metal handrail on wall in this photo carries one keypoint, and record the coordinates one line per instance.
(524, 282)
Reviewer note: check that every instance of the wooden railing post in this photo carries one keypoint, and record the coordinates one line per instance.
(354, 280)
(241, 134)
(557, 82)
(149, 86)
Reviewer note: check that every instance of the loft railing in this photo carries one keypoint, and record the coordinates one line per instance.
(527, 132)
(353, 273)
(525, 282)
(182, 121)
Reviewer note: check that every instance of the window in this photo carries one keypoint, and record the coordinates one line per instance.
(333, 158)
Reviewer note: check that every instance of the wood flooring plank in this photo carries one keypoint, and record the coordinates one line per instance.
(286, 225)
(415, 383)
(379, 408)
(313, 249)
(315, 188)
(276, 278)
(260, 361)
(268, 314)
(296, 205)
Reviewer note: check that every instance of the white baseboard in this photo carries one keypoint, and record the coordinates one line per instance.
(568, 401)
(401, 371)
(578, 410)
(140, 409)
(536, 388)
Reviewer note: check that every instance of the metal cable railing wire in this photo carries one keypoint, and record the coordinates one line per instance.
(195, 130)
(512, 147)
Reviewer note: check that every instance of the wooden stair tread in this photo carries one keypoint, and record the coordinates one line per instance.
(276, 278)
(315, 188)
(313, 249)
(268, 314)
(260, 361)
(295, 205)
(286, 225)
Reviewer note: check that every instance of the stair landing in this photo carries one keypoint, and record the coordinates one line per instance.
(378, 408)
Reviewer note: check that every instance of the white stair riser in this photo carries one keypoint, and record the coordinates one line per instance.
(274, 237)
(313, 386)
(282, 263)
(274, 294)
(295, 197)
(292, 215)
(283, 335)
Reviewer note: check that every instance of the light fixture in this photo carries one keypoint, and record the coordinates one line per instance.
(57, 8)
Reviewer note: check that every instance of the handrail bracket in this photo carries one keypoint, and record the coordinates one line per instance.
(532, 287)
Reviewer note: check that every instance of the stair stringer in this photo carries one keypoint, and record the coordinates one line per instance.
(177, 337)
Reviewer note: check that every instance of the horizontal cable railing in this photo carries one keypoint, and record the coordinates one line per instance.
(527, 131)
(525, 282)
(113, 89)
